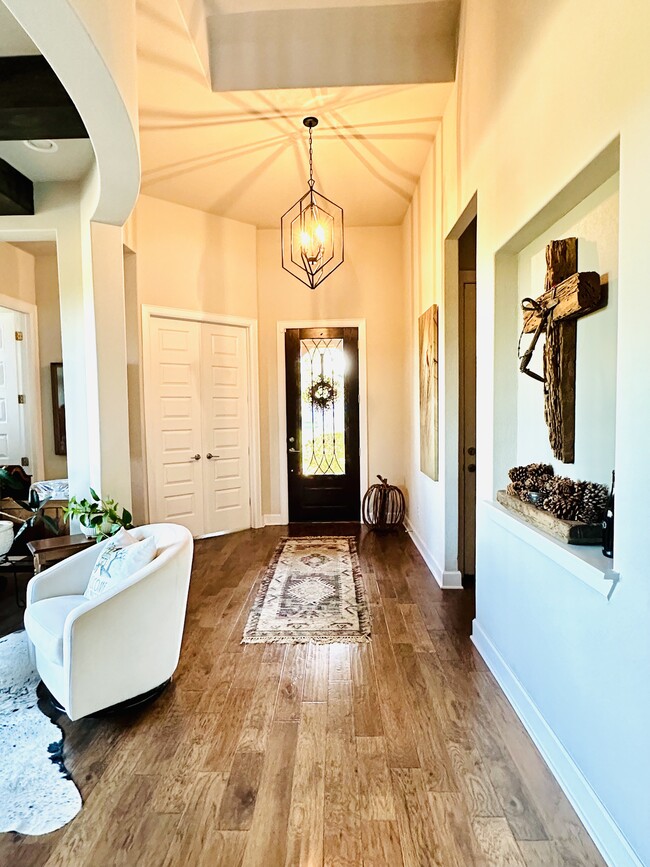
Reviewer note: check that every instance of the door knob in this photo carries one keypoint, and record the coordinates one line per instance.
(196, 457)
(471, 468)
(209, 456)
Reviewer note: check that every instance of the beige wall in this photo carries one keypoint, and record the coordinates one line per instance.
(49, 349)
(369, 285)
(34, 279)
(183, 258)
(196, 261)
(193, 260)
(16, 273)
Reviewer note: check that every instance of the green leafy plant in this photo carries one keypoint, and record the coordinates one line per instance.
(102, 515)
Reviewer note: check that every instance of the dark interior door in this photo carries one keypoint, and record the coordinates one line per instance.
(322, 367)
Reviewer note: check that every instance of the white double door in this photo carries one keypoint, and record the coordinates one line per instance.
(198, 426)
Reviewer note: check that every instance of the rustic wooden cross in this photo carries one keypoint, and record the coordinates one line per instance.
(568, 295)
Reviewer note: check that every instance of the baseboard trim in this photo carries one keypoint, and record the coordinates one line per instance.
(448, 580)
(601, 826)
(273, 520)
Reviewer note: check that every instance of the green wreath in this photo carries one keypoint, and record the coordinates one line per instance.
(322, 392)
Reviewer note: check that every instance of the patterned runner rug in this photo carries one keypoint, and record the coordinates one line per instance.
(312, 591)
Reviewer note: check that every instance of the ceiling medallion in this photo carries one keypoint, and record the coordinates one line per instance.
(312, 231)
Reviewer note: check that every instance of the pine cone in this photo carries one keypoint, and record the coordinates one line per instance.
(563, 506)
(593, 502)
(518, 474)
(516, 489)
(538, 470)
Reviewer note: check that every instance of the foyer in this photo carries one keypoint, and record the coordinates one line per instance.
(403, 751)
(450, 350)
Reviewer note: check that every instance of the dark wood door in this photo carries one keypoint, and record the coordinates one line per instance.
(322, 367)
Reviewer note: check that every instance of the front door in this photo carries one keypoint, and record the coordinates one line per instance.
(322, 366)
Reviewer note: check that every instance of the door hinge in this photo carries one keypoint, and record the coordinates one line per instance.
(21, 398)
(19, 335)
(24, 462)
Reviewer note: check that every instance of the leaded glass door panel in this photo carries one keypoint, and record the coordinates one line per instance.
(323, 423)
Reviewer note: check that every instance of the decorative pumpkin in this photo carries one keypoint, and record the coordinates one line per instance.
(383, 507)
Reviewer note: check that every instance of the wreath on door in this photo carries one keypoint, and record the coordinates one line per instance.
(322, 392)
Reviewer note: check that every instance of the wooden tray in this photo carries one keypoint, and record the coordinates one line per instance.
(570, 532)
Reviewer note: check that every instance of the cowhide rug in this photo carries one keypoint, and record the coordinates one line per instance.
(37, 795)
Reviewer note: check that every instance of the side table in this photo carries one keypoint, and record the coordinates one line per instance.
(48, 551)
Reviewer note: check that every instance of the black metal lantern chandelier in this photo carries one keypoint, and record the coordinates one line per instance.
(312, 231)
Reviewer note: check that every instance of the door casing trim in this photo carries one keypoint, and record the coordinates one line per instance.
(150, 312)
(33, 383)
(360, 325)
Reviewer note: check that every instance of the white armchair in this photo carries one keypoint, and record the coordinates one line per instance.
(95, 653)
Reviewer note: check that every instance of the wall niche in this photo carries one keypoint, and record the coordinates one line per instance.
(587, 209)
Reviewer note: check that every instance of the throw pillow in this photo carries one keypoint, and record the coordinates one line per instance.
(121, 557)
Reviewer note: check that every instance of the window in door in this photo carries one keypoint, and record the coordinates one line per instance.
(322, 411)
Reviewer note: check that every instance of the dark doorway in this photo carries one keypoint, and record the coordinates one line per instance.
(467, 403)
(322, 367)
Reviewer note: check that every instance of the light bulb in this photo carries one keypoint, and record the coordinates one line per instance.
(312, 235)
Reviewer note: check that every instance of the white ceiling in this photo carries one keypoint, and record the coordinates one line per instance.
(243, 154)
(14, 42)
(69, 162)
(73, 157)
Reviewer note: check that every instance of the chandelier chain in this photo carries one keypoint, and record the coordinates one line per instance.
(311, 161)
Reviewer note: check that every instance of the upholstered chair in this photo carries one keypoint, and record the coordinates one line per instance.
(95, 653)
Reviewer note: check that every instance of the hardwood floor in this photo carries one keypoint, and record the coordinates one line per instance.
(399, 753)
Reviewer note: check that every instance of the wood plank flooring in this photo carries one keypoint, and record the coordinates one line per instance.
(399, 753)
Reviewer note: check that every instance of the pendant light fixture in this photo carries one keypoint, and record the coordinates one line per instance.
(312, 231)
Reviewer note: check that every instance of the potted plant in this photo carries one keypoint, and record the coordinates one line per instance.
(98, 517)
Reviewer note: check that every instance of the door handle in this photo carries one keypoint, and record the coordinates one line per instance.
(293, 451)
(471, 468)
(209, 456)
(196, 457)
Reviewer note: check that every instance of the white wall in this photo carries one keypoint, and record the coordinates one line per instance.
(369, 285)
(542, 89)
(423, 278)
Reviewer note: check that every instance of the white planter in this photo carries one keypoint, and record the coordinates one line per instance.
(89, 532)
(92, 532)
(6, 536)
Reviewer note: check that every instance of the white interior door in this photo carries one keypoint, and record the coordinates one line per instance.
(224, 399)
(13, 445)
(174, 420)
